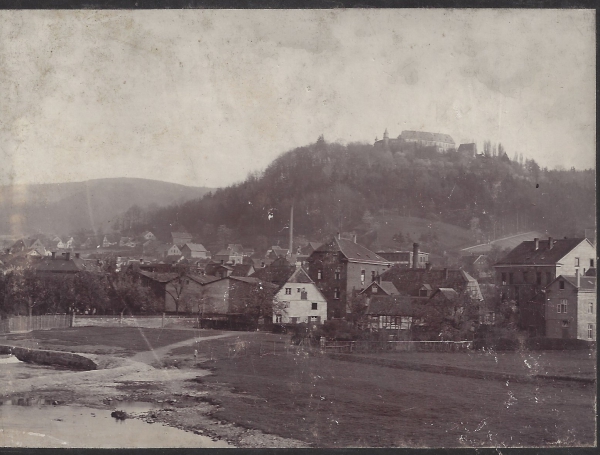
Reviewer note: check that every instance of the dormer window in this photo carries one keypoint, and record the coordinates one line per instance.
(319, 274)
(561, 284)
(337, 274)
(374, 289)
(576, 262)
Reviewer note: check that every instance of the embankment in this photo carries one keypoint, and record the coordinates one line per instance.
(57, 358)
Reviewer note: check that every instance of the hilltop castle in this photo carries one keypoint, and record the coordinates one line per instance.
(441, 141)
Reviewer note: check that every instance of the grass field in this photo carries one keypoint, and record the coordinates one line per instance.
(332, 403)
(103, 340)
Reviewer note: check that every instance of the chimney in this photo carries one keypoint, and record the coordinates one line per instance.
(537, 243)
(378, 279)
(445, 273)
(354, 238)
(415, 260)
(577, 278)
(550, 243)
(68, 255)
(53, 255)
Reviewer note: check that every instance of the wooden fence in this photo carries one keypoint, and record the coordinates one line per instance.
(419, 346)
(29, 323)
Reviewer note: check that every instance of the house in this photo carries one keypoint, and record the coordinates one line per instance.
(230, 255)
(181, 238)
(393, 313)
(110, 240)
(64, 264)
(300, 299)
(242, 269)
(406, 258)
(477, 265)
(277, 251)
(217, 269)
(525, 271)
(27, 244)
(424, 283)
(147, 235)
(223, 300)
(278, 272)
(341, 267)
(423, 138)
(570, 307)
(468, 150)
(194, 251)
(164, 251)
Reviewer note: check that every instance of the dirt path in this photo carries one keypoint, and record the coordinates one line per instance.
(155, 355)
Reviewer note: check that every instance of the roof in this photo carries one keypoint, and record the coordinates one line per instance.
(526, 254)
(470, 148)
(586, 283)
(409, 281)
(449, 293)
(252, 280)
(198, 247)
(203, 279)
(159, 277)
(425, 136)
(61, 265)
(388, 287)
(391, 305)
(352, 251)
(241, 269)
(278, 272)
(299, 276)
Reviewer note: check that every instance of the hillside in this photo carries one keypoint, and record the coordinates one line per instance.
(93, 204)
(338, 188)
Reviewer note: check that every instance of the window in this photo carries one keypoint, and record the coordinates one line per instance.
(576, 262)
(337, 274)
(590, 308)
(591, 263)
(299, 290)
(511, 278)
(303, 295)
(294, 320)
(561, 284)
(503, 278)
(590, 331)
(315, 306)
(278, 319)
(319, 274)
(314, 319)
(562, 306)
(374, 289)
(288, 291)
(362, 277)
(336, 293)
(538, 278)
(565, 323)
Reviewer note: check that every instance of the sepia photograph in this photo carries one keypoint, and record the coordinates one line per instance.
(328, 228)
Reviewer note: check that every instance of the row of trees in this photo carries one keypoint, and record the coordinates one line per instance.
(24, 292)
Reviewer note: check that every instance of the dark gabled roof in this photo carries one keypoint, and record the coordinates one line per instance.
(278, 272)
(391, 305)
(241, 269)
(252, 280)
(159, 277)
(61, 265)
(203, 279)
(409, 281)
(471, 148)
(448, 293)
(197, 247)
(352, 251)
(586, 283)
(591, 272)
(526, 254)
(300, 276)
(425, 136)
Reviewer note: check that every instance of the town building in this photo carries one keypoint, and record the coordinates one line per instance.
(405, 258)
(523, 274)
(194, 251)
(571, 307)
(467, 150)
(300, 301)
(180, 238)
(423, 138)
(340, 268)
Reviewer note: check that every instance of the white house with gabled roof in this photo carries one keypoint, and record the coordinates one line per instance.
(300, 301)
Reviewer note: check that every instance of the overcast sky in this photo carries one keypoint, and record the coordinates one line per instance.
(204, 97)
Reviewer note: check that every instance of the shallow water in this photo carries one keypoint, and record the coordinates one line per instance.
(35, 423)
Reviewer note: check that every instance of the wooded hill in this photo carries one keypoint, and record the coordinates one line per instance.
(343, 188)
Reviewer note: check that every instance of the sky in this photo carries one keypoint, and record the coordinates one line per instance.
(203, 98)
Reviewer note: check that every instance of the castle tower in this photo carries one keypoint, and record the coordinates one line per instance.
(386, 139)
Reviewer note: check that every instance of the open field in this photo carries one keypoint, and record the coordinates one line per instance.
(259, 391)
